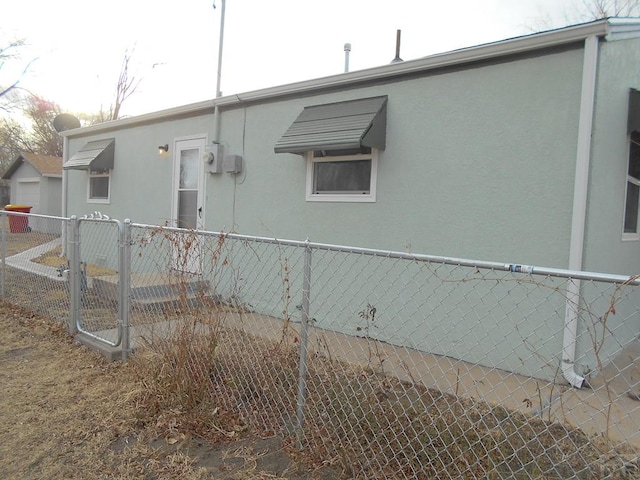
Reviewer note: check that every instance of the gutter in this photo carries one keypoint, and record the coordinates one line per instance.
(580, 196)
(478, 53)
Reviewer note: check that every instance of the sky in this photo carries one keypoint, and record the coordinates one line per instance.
(77, 46)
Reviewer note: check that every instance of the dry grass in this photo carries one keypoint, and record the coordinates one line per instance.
(360, 422)
(69, 414)
(19, 242)
(54, 258)
(162, 415)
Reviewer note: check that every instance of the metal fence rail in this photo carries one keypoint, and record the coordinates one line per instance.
(386, 364)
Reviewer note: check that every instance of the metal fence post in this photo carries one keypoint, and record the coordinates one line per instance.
(4, 252)
(74, 274)
(125, 281)
(302, 372)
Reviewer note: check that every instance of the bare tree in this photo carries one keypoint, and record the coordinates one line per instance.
(586, 11)
(126, 86)
(34, 134)
(10, 52)
(12, 142)
(596, 9)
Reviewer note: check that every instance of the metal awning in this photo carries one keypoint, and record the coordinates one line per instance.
(349, 125)
(95, 155)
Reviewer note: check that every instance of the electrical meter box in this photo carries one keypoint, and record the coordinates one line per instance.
(212, 158)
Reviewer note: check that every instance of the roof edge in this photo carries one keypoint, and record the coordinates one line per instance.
(536, 41)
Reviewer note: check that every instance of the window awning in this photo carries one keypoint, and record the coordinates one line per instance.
(349, 125)
(633, 121)
(95, 155)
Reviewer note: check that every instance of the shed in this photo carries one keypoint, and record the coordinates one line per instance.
(36, 180)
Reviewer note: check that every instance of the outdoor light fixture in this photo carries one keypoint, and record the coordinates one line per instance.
(162, 149)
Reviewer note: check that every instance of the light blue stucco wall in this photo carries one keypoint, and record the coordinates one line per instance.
(604, 249)
(52, 195)
(479, 163)
(619, 71)
(141, 180)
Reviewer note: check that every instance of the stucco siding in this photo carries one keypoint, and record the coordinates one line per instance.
(52, 193)
(618, 72)
(140, 179)
(479, 163)
(605, 250)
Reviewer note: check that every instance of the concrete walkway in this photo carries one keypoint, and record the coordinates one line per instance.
(23, 261)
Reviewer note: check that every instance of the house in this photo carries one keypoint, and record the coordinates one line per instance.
(524, 150)
(36, 181)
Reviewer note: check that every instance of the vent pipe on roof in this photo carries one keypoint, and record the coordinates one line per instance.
(397, 59)
(347, 49)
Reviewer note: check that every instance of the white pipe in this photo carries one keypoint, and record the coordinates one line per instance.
(347, 49)
(220, 43)
(580, 190)
(65, 187)
(216, 111)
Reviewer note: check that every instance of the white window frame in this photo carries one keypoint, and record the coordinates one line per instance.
(342, 197)
(91, 175)
(630, 236)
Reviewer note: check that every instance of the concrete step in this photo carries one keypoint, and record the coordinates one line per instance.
(148, 288)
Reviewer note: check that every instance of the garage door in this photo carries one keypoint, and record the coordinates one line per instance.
(29, 194)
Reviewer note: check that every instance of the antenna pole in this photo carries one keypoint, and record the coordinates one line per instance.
(220, 45)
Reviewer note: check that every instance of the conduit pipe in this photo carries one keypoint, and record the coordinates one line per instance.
(578, 220)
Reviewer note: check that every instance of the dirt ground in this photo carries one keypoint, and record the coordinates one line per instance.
(67, 413)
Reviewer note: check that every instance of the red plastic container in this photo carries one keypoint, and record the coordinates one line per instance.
(18, 224)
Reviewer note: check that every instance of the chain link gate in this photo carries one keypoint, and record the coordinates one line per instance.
(99, 280)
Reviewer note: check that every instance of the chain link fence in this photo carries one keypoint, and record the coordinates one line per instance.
(33, 271)
(386, 364)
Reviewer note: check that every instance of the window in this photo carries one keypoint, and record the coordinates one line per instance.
(99, 185)
(630, 231)
(342, 178)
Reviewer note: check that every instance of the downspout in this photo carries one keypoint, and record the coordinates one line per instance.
(580, 192)
(65, 183)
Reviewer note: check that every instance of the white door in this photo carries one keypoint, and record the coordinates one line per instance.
(187, 204)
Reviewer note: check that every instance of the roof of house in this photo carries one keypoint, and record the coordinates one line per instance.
(47, 165)
(609, 28)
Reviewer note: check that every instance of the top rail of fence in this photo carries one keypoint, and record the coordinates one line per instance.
(5, 213)
(480, 264)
